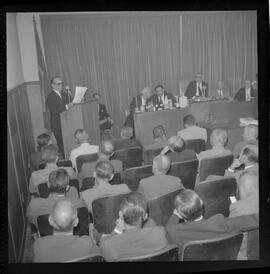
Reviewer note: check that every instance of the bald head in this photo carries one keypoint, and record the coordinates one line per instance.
(250, 132)
(161, 164)
(64, 216)
(106, 148)
(145, 92)
(248, 184)
(176, 143)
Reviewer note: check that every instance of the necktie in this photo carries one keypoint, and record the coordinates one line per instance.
(197, 90)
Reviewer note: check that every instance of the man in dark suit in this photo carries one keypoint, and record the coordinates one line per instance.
(197, 88)
(58, 101)
(137, 102)
(161, 97)
(105, 120)
(245, 93)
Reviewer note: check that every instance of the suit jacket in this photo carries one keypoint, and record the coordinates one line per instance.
(191, 89)
(214, 227)
(126, 143)
(103, 114)
(184, 155)
(241, 94)
(155, 101)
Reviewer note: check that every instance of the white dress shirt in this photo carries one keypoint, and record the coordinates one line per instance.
(248, 94)
(59, 94)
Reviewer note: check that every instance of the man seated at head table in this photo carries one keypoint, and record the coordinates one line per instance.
(133, 236)
(63, 245)
(218, 140)
(106, 150)
(250, 136)
(197, 88)
(137, 103)
(127, 140)
(160, 183)
(187, 224)
(221, 91)
(176, 150)
(191, 131)
(245, 93)
(161, 97)
(82, 139)
(50, 157)
(103, 174)
(58, 185)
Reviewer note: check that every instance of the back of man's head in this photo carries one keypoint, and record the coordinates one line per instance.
(43, 140)
(104, 170)
(161, 164)
(106, 148)
(176, 143)
(218, 137)
(159, 132)
(250, 132)
(126, 132)
(133, 209)
(248, 184)
(80, 136)
(50, 153)
(189, 120)
(249, 154)
(63, 216)
(58, 181)
(188, 205)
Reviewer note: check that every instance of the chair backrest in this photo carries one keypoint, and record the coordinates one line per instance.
(133, 175)
(160, 209)
(197, 145)
(89, 182)
(86, 158)
(253, 242)
(64, 163)
(74, 183)
(214, 166)
(150, 154)
(46, 229)
(219, 249)
(105, 212)
(130, 157)
(215, 195)
(186, 171)
(92, 258)
(167, 254)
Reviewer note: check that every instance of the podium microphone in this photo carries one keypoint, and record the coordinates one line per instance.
(68, 91)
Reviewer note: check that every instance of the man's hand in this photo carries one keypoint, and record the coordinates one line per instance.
(236, 163)
(165, 150)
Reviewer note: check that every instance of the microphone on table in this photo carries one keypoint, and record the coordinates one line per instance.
(67, 90)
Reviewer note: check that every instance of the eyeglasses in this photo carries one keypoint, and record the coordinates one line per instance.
(61, 83)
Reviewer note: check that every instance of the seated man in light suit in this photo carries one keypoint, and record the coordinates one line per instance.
(161, 97)
(245, 93)
(63, 245)
(197, 88)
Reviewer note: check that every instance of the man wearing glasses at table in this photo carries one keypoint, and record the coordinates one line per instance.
(58, 101)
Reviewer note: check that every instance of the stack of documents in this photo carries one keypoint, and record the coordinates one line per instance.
(247, 121)
(79, 94)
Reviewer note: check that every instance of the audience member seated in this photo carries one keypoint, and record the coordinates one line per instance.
(250, 136)
(176, 150)
(127, 140)
(62, 245)
(245, 93)
(218, 140)
(191, 131)
(197, 88)
(103, 174)
(43, 140)
(187, 224)
(248, 158)
(106, 150)
(131, 237)
(50, 157)
(59, 189)
(81, 138)
(159, 184)
(249, 195)
(159, 138)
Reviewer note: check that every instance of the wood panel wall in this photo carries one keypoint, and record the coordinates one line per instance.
(20, 145)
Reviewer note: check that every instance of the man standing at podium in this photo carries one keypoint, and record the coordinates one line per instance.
(58, 101)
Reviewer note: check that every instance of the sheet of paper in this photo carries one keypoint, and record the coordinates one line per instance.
(79, 93)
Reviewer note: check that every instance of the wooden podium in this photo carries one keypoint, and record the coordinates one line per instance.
(80, 116)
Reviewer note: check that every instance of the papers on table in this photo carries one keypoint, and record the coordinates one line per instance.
(79, 94)
(247, 121)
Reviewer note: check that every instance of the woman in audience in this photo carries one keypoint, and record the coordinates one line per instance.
(130, 236)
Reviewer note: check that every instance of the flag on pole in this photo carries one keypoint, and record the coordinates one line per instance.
(43, 76)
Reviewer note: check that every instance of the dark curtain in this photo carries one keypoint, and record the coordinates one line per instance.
(118, 54)
(115, 55)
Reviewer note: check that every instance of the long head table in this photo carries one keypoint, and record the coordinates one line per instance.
(222, 111)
